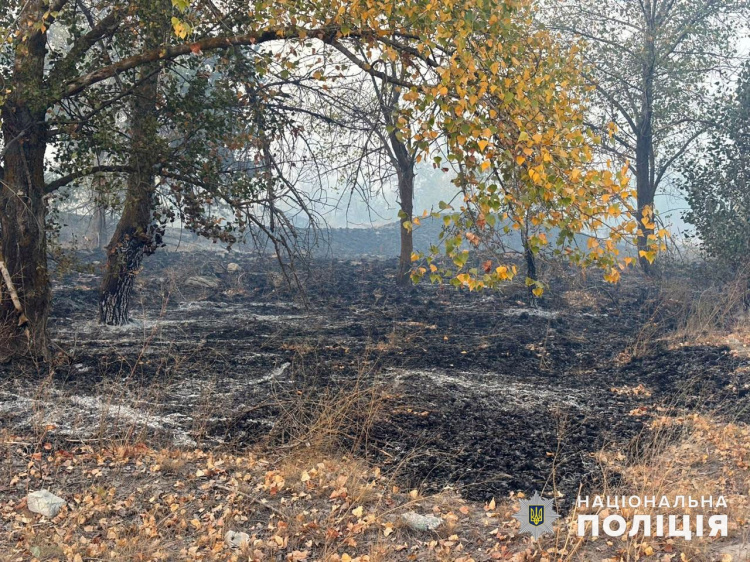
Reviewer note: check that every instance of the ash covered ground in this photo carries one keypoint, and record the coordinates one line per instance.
(447, 388)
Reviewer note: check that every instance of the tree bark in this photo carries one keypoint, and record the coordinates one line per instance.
(22, 205)
(644, 148)
(136, 234)
(406, 201)
(530, 259)
(645, 193)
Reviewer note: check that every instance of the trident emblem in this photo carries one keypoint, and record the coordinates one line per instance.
(536, 515)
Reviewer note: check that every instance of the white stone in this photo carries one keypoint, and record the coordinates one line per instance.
(44, 503)
(421, 522)
(234, 267)
(236, 539)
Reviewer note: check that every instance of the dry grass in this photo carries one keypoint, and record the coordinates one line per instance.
(684, 456)
(333, 418)
(709, 311)
(685, 312)
(678, 455)
(306, 496)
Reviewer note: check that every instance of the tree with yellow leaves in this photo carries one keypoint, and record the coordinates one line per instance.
(513, 116)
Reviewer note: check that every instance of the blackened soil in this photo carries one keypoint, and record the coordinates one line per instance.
(478, 391)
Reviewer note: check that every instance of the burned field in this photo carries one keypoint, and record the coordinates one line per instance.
(473, 390)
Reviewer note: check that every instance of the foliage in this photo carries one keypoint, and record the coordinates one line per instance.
(717, 182)
(207, 147)
(508, 112)
(515, 132)
(651, 64)
(681, 42)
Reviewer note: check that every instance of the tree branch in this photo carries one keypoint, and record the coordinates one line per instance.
(663, 169)
(53, 186)
(367, 68)
(105, 28)
(614, 102)
(164, 52)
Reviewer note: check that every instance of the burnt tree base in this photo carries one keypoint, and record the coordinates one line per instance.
(123, 265)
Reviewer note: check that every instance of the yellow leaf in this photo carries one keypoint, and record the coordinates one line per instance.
(357, 512)
(482, 144)
(650, 256)
(486, 164)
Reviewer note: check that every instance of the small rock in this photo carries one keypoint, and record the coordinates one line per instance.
(202, 282)
(236, 539)
(421, 522)
(234, 267)
(44, 503)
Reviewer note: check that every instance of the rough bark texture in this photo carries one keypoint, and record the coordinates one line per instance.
(22, 206)
(136, 234)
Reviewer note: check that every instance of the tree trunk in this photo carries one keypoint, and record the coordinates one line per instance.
(530, 264)
(530, 259)
(24, 248)
(644, 148)
(645, 194)
(100, 218)
(22, 204)
(136, 234)
(406, 198)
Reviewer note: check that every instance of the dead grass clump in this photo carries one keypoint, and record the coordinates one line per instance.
(332, 418)
(688, 311)
(711, 310)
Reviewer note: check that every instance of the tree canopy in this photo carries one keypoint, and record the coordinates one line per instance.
(717, 181)
(503, 98)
